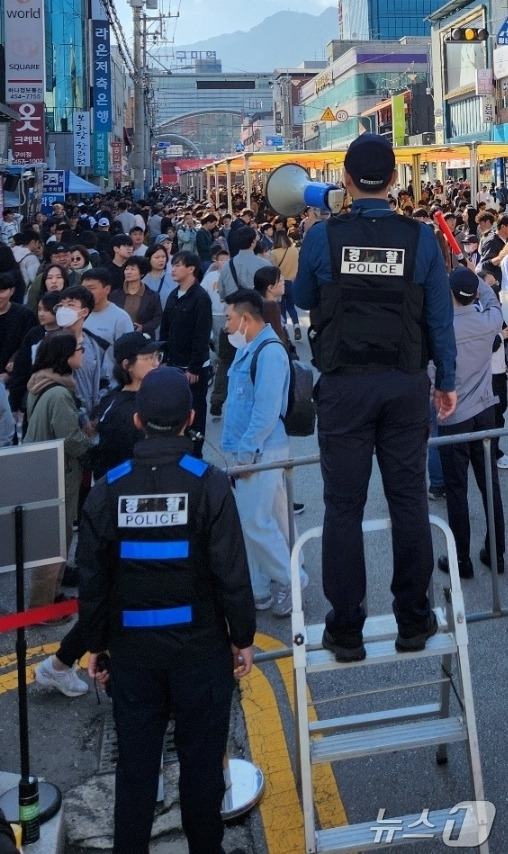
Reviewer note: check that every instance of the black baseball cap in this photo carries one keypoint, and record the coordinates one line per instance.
(59, 247)
(165, 397)
(134, 344)
(463, 282)
(471, 238)
(370, 162)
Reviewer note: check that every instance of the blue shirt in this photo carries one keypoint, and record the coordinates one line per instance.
(252, 419)
(315, 270)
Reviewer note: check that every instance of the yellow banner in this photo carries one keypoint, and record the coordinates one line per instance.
(398, 120)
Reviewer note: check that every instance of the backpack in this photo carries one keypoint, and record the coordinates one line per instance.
(300, 417)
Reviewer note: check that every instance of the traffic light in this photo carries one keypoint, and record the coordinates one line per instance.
(467, 34)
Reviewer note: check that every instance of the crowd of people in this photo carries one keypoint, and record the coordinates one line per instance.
(124, 325)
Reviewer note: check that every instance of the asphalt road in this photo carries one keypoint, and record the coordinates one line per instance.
(64, 733)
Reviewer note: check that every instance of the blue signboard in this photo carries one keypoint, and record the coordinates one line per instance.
(48, 199)
(53, 181)
(101, 77)
(274, 141)
(502, 36)
(101, 154)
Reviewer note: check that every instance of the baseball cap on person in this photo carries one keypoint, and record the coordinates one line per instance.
(162, 237)
(59, 247)
(164, 398)
(463, 282)
(134, 344)
(103, 221)
(471, 238)
(370, 162)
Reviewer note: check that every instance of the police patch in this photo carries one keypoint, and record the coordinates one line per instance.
(372, 261)
(152, 511)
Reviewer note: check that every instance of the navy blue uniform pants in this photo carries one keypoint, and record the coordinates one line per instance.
(358, 413)
(199, 699)
(455, 461)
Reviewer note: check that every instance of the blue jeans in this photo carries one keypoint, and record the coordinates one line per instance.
(262, 502)
(287, 304)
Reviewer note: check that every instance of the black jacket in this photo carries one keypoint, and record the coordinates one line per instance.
(22, 369)
(14, 325)
(120, 575)
(117, 433)
(490, 248)
(186, 328)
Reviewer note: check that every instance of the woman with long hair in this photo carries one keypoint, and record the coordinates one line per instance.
(54, 278)
(53, 413)
(159, 277)
(285, 256)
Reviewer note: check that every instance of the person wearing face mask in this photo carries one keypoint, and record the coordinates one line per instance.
(75, 305)
(253, 433)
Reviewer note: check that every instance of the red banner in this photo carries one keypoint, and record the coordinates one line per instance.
(27, 135)
(116, 158)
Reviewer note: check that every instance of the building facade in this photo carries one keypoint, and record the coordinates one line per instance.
(384, 19)
(345, 97)
(207, 111)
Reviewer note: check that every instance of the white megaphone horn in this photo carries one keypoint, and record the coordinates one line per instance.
(289, 190)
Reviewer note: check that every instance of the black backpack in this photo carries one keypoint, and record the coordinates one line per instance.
(300, 417)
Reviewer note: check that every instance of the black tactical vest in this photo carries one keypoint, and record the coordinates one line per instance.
(371, 315)
(163, 586)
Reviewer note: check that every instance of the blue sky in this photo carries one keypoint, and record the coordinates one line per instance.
(200, 19)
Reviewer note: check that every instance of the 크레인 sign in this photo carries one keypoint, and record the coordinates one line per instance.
(372, 261)
(152, 511)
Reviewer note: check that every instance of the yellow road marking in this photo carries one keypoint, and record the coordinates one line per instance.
(280, 807)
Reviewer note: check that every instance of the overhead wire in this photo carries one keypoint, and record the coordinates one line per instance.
(123, 47)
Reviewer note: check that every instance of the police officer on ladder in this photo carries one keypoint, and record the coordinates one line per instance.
(379, 288)
(165, 588)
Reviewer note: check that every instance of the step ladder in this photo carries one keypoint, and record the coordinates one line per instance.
(390, 730)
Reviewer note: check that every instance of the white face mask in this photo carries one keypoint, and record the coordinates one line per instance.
(237, 339)
(66, 316)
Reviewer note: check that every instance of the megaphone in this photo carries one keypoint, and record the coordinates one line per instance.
(289, 190)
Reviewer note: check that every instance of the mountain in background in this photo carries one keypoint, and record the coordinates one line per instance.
(283, 40)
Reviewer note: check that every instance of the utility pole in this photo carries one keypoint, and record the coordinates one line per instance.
(139, 96)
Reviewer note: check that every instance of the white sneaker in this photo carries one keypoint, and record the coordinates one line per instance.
(284, 601)
(65, 681)
(502, 462)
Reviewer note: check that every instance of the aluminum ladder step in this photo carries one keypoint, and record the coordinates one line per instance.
(365, 742)
(381, 652)
(382, 627)
(374, 835)
(405, 713)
